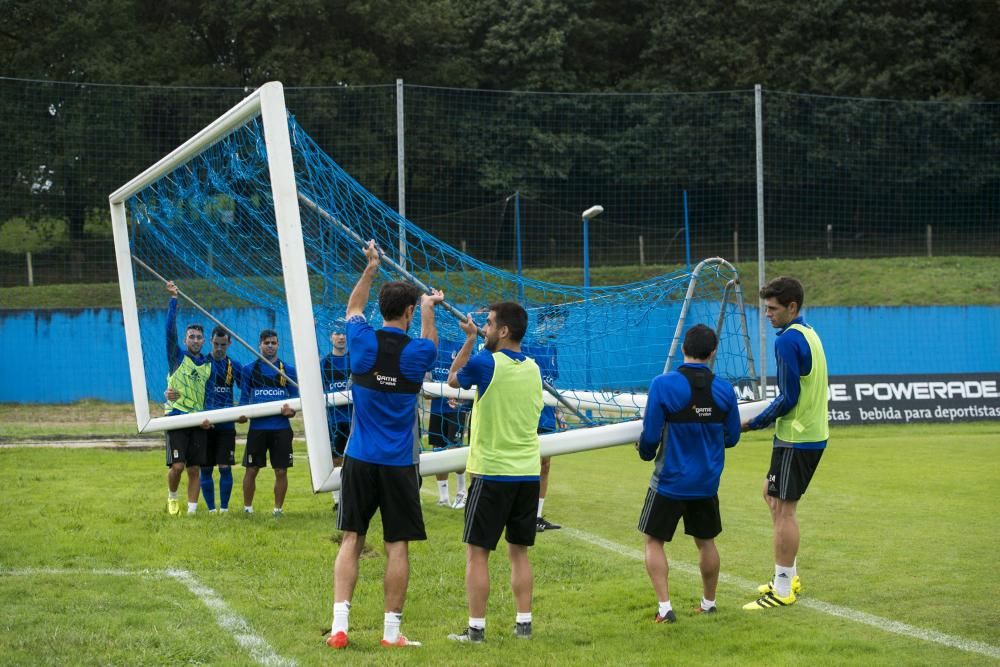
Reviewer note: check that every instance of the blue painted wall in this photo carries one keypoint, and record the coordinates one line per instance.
(66, 355)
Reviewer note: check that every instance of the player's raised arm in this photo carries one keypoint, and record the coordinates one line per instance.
(362, 289)
(462, 358)
(428, 329)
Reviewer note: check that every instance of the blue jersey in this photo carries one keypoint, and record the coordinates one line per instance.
(336, 372)
(447, 351)
(385, 430)
(545, 355)
(793, 359)
(219, 390)
(259, 383)
(689, 463)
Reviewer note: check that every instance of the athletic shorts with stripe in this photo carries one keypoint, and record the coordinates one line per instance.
(494, 506)
(395, 490)
(660, 516)
(186, 445)
(262, 444)
(220, 448)
(791, 471)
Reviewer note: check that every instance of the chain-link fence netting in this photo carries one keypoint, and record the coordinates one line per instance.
(505, 176)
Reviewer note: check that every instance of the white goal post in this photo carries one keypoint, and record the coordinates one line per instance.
(268, 102)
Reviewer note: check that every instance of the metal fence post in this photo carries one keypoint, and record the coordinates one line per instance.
(758, 107)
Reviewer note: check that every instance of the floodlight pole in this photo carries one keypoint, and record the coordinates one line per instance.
(588, 215)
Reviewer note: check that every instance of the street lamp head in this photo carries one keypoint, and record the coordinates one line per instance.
(593, 212)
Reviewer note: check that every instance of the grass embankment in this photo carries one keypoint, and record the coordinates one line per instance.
(900, 281)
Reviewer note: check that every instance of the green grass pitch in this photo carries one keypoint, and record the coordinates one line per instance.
(898, 560)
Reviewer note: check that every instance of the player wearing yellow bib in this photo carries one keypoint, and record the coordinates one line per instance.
(799, 413)
(503, 457)
(188, 370)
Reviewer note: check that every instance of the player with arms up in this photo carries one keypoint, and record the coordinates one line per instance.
(801, 431)
(504, 459)
(380, 465)
(188, 371)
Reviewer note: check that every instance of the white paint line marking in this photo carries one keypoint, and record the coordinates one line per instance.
(228, 620)
(877, 622)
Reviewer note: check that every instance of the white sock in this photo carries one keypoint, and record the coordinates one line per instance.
(248, 509)
(541, 503)
(707, 604)
(341, 617)
(795, 567)
(172, 495)
(783, 580)
(523, 617)
(443, 490)
(477, 623)
(390, 629)
(665, 607)
(460, 482)
(192, 507)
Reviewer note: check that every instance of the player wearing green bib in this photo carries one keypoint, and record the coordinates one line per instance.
(188, 370)
(504, 457)
(799, 413)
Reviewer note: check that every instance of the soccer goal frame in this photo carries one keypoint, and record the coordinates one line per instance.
(268, 102)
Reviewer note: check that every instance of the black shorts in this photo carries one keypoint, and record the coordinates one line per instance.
(660, 516)
(261, 444)
(187, 446)
(791, 471)
(339, 432)
(492, 506)
(395, 490)
(220, 447)
(442, 430)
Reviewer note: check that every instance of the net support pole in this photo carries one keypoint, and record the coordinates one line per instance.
(401, 168)
(758, 112)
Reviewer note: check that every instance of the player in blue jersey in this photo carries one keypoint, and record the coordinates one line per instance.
(336, 373)
(445, 422)
(268, 437)
(800, 416)
(380, 467)
(702, 419)
(221, 442)
(188, 370)
(545, 354)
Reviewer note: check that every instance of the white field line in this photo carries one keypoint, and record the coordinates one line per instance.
(228, 620)
(877, 622)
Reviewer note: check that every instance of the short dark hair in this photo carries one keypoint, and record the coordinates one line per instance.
(784, 290)
(268, 333)
(699, 342)
(395, 297)
(196, 327)
(511, 315)
(221, 332)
